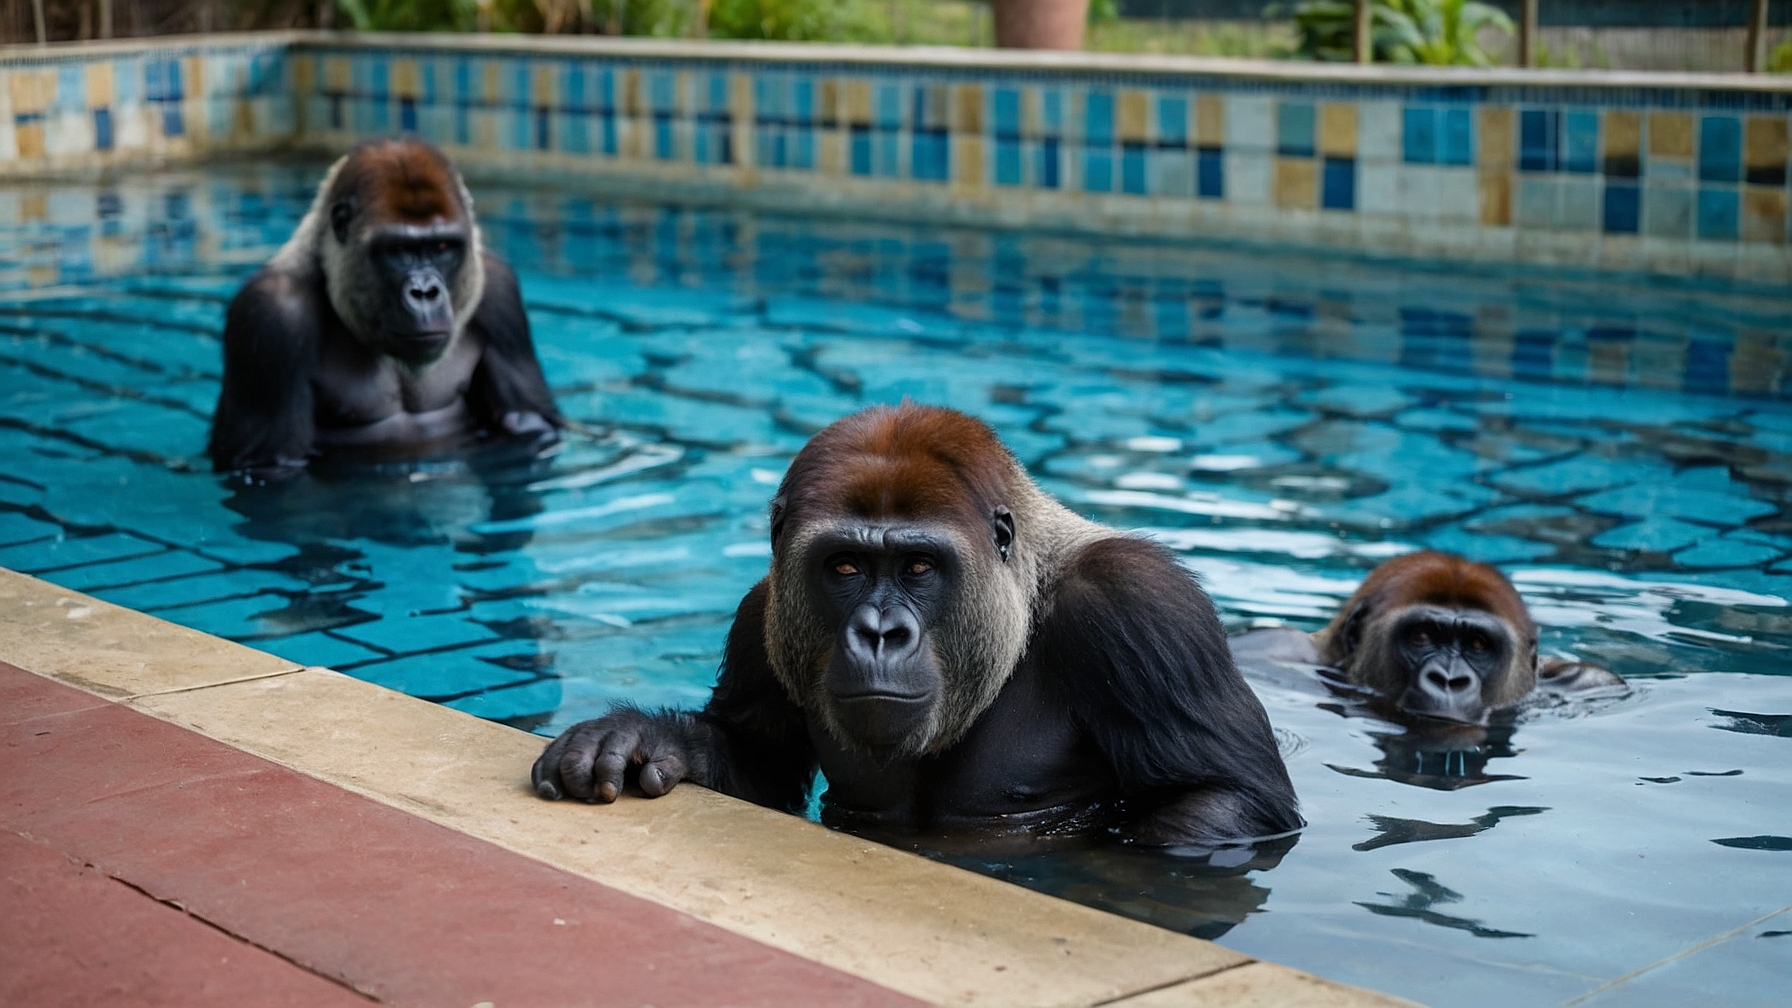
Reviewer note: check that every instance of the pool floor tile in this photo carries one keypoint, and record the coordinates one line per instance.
(407, 912)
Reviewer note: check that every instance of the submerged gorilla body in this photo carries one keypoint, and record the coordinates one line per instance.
(382, 326)
(960, 655)
(1434, 635)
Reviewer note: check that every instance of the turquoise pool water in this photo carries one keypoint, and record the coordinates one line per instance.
(1282, 421)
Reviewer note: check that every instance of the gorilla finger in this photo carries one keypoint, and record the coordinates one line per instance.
(540, 780)
(611, 764)
(575, 764)
(662, 773)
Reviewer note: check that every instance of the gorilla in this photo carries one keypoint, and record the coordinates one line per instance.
(382, 325)
(1434, 635)
(960, 655)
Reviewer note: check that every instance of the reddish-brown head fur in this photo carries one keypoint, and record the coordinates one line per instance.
(1425, 578)
(903, 463)
(400, 180)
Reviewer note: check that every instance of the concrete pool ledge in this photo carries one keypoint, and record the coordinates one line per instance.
(899, 921)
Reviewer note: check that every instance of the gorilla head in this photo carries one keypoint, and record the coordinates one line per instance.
(401, 254)
(882, 527)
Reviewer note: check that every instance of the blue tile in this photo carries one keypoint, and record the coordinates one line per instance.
(1418, 135)
(804, 95)
(1294, 129)
(1098, 119)
(1580, 141)
(1537, 140)
(1720, 150)
(1337, 184)
(1707, 366)
(718, 92)
(1210, 173)
(463, 80)
(172, 123)
(802, 154)
(1132, 168)
(930, 155)
(860, 145)
(662, 136)
(1456, 136)
(1008, 167)
(1623, 208)
(1098, 170)
(407, 115)
(1051, 111)
(888, 112)
(1049, 174)
(102, 129)
(1717, 214)
(1172, 122)
(1006, 112)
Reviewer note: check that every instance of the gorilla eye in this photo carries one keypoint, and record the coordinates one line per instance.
(918, 567)
(1418, 638)
(1476, 642)
(845, 569)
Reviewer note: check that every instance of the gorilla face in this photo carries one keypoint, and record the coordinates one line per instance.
(1454, 662)
(416, 266)
(883, 585)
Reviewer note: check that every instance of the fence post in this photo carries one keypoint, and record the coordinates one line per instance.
(1362, 47)
(1756, 61)
(1527, 34)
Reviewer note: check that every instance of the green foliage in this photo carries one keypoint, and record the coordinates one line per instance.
(1104, 11)
(1435, 32)
(410, 15)
(1780, 60)
(785, 20)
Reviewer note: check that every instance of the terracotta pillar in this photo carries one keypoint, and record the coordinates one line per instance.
(1040, 24)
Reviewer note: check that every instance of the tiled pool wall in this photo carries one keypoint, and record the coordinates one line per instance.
(1676, 175)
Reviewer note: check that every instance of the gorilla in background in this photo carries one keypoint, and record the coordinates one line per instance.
(383, 325)
(1431, 634)
(961, 655)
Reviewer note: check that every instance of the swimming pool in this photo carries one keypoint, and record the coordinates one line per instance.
(1282, 421)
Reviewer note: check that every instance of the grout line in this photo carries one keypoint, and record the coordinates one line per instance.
(134, 697)
(221, 929)
(1683, 953)
(1172, 983)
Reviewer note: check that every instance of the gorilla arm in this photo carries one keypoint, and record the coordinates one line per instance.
(263, 424)
(508, 393)
(1141, 655)
(750, 741)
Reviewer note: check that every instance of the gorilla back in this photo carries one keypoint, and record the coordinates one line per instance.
(959, 654)
(382, 323)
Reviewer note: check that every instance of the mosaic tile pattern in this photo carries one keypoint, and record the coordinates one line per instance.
(1661, 180)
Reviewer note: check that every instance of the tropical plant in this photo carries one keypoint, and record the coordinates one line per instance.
(787, 20)
(411, 15)
(1436, 32)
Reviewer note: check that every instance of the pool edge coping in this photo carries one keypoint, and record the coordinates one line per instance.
(918, 927)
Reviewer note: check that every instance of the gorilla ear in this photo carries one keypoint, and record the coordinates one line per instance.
(341, 213)
(1350, 632)
(777, 521)
(1001, 522)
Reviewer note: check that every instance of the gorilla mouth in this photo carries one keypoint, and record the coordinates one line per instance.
(882, 720)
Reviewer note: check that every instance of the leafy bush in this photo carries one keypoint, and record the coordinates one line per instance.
(786, 20)
(411, 15)
(1436, 32)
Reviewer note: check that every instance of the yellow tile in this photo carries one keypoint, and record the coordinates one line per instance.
(405, 79)
(935, 99)
(113, 651)
(967, 162)
(541, 85)
(304, 73)
(1496, 195)
(1260, 985)
(31, 90)
(1337, 129)
(832, 144)
(1764, 214)
(631, 92)
(740, 103)
(336, 74)
(1670, 134)
(1495, 140)
(488, 83)
(1623, 134)
(858, 102)
(1132, 116)
(1297, 183)
(831, 110)
(242, 119)
(30, 139)
(931, 931)
(1210, 121)
(970, 109)
(1764, 143)
(33, 206)
(99, 84)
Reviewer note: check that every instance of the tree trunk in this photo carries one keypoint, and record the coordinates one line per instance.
(1040, 24)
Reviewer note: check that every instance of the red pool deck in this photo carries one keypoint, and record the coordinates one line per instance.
(187, 821)
(144, 863)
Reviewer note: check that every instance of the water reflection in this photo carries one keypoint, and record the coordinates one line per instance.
(1439, 756)
(1428, 893)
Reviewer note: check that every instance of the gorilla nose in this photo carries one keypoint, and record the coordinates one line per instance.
(1449, 683)
(1447, 688)
(423, 292)
(882, 635)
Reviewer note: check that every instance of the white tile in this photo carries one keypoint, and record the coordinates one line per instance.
(1535, 201)
(1249, 176)
(1579, 206)
(1378, 131)
(1378, 187)
(1250, 123)
(1458, 193)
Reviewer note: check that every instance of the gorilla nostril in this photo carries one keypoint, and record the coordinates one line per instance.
(1460, 683)
(1437, 679)
(896, 637)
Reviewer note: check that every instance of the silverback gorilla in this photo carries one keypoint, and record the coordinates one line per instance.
(960, 655)
(1436, 635)
(382, 323)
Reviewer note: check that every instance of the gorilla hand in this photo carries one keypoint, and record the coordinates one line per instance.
(593, 760)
